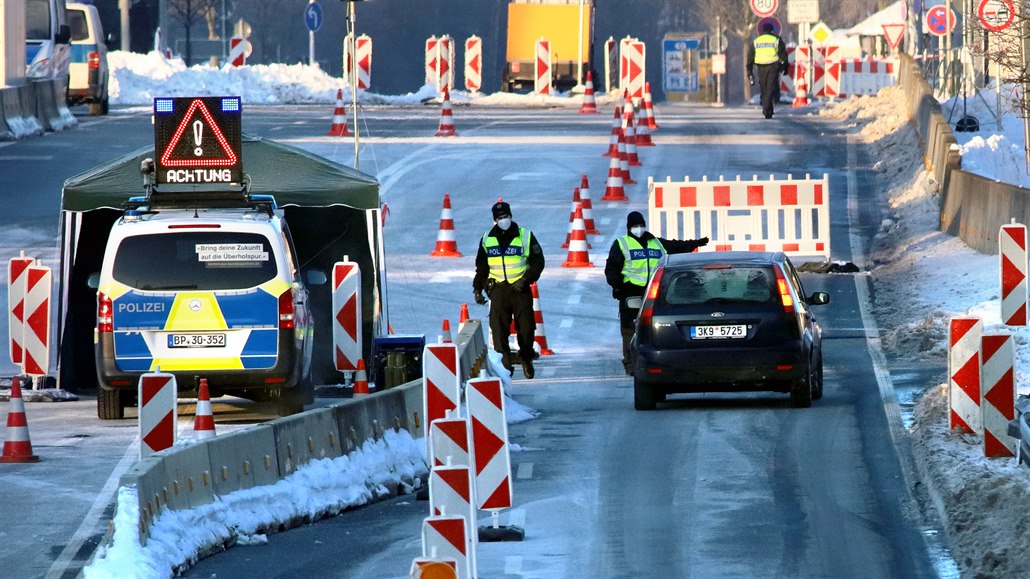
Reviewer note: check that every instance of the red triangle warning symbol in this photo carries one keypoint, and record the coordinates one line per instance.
(893, 34)
(198, 141)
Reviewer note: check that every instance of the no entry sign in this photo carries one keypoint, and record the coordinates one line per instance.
(996, 15)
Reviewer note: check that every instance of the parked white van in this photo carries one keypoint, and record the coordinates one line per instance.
(47, 35)
(88, 72)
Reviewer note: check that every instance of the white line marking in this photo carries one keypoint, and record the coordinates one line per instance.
(525, 470)
(573, 299)
(606, 220)
(565, 323)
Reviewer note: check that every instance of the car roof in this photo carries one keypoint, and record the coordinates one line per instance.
(725, 257)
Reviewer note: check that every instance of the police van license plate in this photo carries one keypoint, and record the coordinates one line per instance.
(196, 340)
(718, 332)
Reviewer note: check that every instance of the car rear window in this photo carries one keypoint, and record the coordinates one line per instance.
(77, 22)
(719, 284)
(194, 260)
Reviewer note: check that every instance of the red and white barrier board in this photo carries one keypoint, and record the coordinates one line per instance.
(998, 403)
(449, 441)
(364, 59)
(347, 346)
(855, 76)
(473, 63)
(632, 57)
(451, 492)
(237, 51)
(964, 366)
(542, 74)
(17, 274)
(490, 458)
(611, 65)
(36, 330)
(1012, 256)
(444, 537)
(157, 412)
(441, 384)
(440, 62)
(789, 215)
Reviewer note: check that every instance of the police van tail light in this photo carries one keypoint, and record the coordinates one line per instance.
(93, 60)
(105, 323)
(647, 308)
(286, 310)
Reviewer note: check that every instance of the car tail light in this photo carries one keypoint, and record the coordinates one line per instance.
(647, 308)
(785, 298)
(286, 310)
(93, 60)
(105, 322)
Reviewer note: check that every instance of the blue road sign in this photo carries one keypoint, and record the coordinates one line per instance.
(770, 20)
(939, 20)
(313, 16)
(680, 64)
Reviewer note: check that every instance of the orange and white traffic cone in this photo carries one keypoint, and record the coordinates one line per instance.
(541, 336)
(576, 202)
(627, 179)
(17, 446)
(360, 379)
(589, 104)
(463, 316)
(588, 207)
(204, 424)
(614, 190)
(800, 87)
(578, 256)
(649, 108)
(339, 128)
(628, 127)
(613, 142)
(445, 333)
(643, 131)
(446, 246)
(446, 117)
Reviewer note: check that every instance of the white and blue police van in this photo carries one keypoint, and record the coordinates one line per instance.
(87, 68)
(47, 40)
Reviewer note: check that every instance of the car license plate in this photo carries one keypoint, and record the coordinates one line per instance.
(718, 332)
(196, 340)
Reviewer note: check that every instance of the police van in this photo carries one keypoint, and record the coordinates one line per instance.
(203, 283)
(47, 36)
(87, 69)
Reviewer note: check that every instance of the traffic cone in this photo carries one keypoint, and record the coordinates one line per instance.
(800, 87)
(17, 446)
(339, 128)
(446, 117)
(578, 256)
(627, 179)
(541, 336)
(360, 379)
(576, 202)
(641, 125)
(589, 104)
(464, 315)
(614, 190)
(446, 246)
(204, 425)
(445, 334)
(613, 142)
(628, 127)
(649, 108)
(588, 207)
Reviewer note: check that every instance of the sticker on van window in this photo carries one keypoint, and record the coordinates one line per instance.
(207, 252)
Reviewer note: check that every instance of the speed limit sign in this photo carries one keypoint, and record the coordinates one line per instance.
(996, 15)
(763, 8)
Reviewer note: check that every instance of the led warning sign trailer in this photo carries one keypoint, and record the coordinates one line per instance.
(197, 140)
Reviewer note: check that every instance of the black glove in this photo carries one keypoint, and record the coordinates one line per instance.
(480, 298)
(616, 293)
(519, 285)
(702, 242)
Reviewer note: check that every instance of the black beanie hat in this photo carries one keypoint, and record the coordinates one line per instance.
(501, 208)
(767, 27)
(634, 218)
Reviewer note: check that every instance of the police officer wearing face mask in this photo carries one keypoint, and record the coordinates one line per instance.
(509, 261)
(631, 260)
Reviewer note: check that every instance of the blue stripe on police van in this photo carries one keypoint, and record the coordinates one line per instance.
(136, 311)
(128, 345)
(261, 343)
(80, 52)
(31, 50)
(257, 362)
(254, 308)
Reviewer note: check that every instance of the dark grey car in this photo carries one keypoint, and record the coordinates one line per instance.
(725, 322)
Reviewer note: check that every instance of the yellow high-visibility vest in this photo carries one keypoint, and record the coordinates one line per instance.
(640, 261)
(767, 49)
(513, 263)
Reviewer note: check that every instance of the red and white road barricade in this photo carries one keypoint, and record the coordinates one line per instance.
(237, 51)
(441, 384)
(36, 330)
(445, 537)
(490, 458)
(451, 492)
(1012, 255)
(632, 56)
(157, 412)
(17, 276)
(543, 75)
(998, 403)
(857, 76)
(440, 62)
(964, 367)
(789, 215)
(450, 442)
(473, 63)
(364, 43)
(347, 346)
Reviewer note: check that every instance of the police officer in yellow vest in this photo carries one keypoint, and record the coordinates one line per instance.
(509, 261)
(631, 261)
(769, 54)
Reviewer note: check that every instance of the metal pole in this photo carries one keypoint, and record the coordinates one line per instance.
(311, 43)
(123, 7)
(579, 60)
(352, 25)
(1026, 98)
(225, 41)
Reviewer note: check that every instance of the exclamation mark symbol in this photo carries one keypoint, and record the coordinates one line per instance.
(198, 135)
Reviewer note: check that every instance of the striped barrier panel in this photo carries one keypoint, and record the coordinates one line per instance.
(449, 439)
(632, 67)
(347, 346)
(789, 215)
(998, 401)
(473, 63)
(441, 385)
(543, 76)
(451, 492)
(158, 412)
(492, 463)
(964, 367)
(445, 537)
(1012, 257)
(36, 329)
(17, 276)
(856, 76)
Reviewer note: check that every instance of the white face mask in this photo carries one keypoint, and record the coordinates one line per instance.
(504, 223)
(637, 230)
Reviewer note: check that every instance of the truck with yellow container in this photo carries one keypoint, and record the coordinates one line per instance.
(566, 24)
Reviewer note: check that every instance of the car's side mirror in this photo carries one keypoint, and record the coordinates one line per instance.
(93, 281)
(634, 302)
(64, 35)
(112, 40)
(818, 299)
(315, 277)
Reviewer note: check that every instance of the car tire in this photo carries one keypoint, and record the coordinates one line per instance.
(817, 382)
(643, 396)
(289, 403)
(109, 404)
(801, 391)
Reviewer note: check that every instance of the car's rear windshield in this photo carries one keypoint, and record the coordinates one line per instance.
(194, 260)
(722, 283)
(77, 22)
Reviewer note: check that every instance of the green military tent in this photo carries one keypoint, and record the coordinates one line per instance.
(332, 211)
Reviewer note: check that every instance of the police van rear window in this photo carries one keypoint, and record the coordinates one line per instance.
(194, 260)
(77, 22)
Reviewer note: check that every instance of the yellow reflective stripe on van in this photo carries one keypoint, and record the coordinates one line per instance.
(276, 286)
(177, 364)
(115, 290)
(207, 317)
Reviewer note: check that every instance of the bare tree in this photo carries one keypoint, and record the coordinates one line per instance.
(190, 13)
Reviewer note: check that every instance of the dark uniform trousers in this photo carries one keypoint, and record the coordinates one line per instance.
(506, 303)
(627, 319)
(769, 82)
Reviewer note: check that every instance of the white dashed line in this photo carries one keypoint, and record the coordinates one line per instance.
(573, 299)
(565, 323)
(525, 471)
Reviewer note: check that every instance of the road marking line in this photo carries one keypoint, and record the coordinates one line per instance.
(524, 471)
(573, 299)
(565, 323)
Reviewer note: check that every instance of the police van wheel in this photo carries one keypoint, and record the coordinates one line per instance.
(109, 404)
(289, 403)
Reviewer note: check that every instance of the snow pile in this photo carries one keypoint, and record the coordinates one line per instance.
(996, 150)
